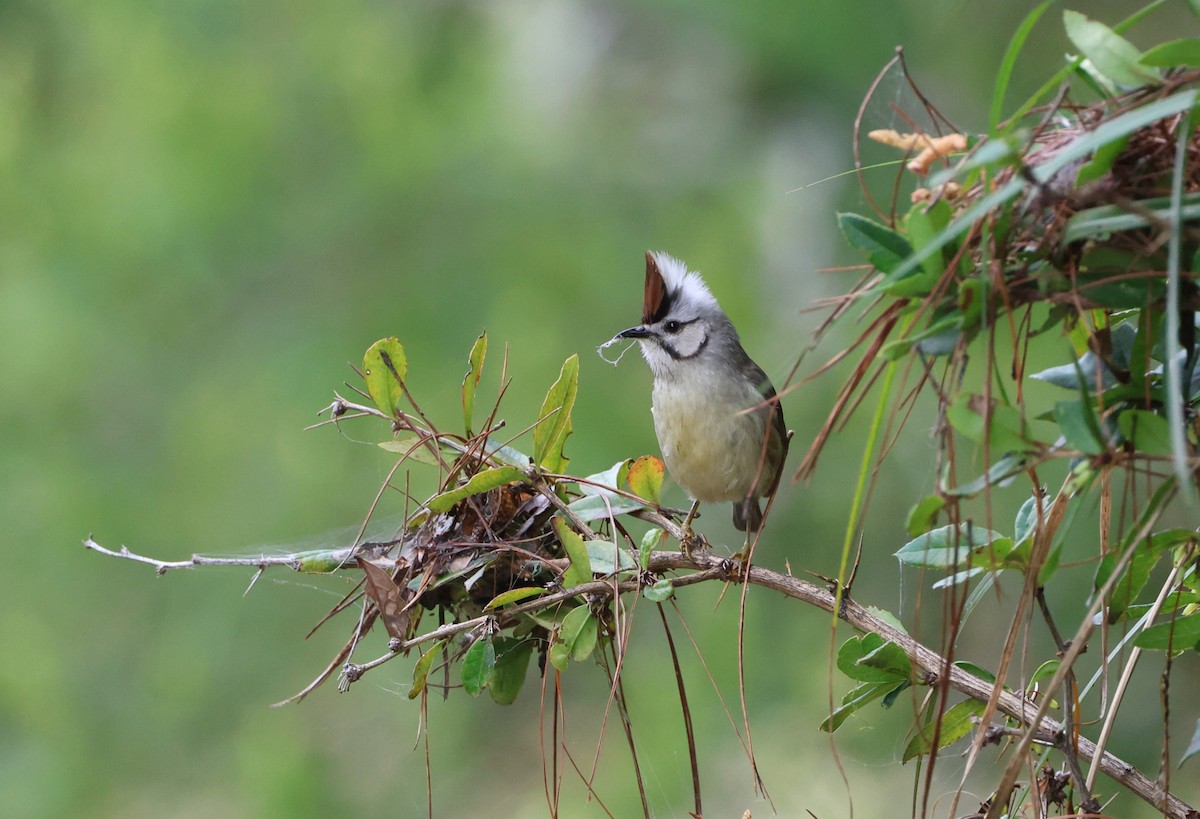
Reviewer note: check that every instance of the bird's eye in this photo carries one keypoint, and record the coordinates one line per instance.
(672, 326)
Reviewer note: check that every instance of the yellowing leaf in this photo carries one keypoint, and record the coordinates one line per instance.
(580, 570)
(646, 478)
(384, 370)
(471, 380)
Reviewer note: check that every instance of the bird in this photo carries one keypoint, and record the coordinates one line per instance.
(718, 419)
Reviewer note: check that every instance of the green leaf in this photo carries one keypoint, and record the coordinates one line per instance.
(649, 541)
(554, 422)
(512, 662)
(322, 561)
(421, 669)
(471, 380)
(1127, 588)
(646, 478)
(579, 572)
(872, 659)
(599, 502)
(922, 516)
(606, 558)
(948, 546)
(411, 447)
(1173, 53)
(1009, 63)
(998, 475)
(884, 247)
(577, 635)
(1077, 422)
(1084, 146)
(513, 596)
(955, 724)
(1027, 519)
(660, 592)
(1179, 634)
(480, 482)
(1147, 431)
(978, 670)
(1193, 747)
(1105, 220)
(858, 697)
(1045, 671)
(1006, 431)
(922, 223)
(1101, 162)
(384, 370)
(478, 666)
(1110, 53)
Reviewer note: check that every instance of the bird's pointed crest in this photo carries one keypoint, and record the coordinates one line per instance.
(655, 302)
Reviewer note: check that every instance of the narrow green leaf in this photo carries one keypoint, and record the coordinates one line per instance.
(646, 478)
(479, 483)
(554, 424)
(384, 370)
(513, 596)
(579, 572)
(1179, 634)
(512, 662)
(922, 516)
(478, 666)
(1173, 53)
(1110, 53)
(1108, 219)
(884, 247)
(1084, 146)
(421, 669)
(660, 592)
(1008, 63)
(606, 558)
(955, 724)
(471, 380)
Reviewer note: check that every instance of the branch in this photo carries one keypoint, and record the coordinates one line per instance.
(707, 567)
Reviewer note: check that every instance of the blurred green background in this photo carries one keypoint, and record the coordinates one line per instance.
(210, 207)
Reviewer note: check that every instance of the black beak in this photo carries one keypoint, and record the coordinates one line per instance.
(641, 331)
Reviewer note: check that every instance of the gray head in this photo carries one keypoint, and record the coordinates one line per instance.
(681, 320)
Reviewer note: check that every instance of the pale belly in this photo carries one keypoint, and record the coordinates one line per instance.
(712, 452)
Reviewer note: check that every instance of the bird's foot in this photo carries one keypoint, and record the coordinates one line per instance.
(692, 541)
